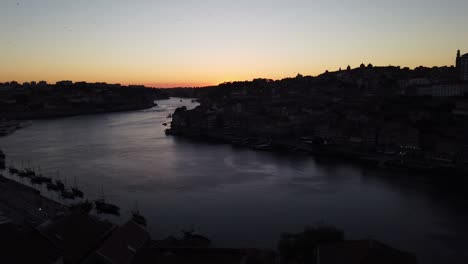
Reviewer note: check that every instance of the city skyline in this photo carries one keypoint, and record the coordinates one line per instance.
(168, 44)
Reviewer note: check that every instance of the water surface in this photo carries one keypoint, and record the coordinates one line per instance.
(237, 197)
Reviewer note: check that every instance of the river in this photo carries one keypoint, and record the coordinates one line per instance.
(237, 197)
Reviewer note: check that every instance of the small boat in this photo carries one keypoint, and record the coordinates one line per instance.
(60, 185)
(2, 160)
(138, 218)
(30, 172)
(40, 179)
(13, 170)
(106, 208)
(77, 192)
(35, 180)
(23, 174)
(86, 206)
(53, 187)
(67, 195)
(45, 179)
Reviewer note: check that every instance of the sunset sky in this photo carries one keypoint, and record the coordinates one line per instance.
(166, 43)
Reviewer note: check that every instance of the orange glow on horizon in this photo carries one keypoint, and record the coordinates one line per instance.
(170, 44)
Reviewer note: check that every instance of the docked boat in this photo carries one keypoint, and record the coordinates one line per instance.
(2, 160)
(85, 206)
(45, 179)
(39, 179)
(77, 192)
(13, 170)
(23, 174)
(138, 218)
(29, 172)
(106, 208)
(53, 187)
(60, 185)
(67, 195)
(35, 180)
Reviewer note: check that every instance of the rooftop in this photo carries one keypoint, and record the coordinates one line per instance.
(76, 235)
(123, 244)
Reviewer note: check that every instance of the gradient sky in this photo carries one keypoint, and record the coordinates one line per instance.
(199, 42)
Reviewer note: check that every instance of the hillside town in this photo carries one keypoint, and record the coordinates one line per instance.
(393, 117)
(65, 98)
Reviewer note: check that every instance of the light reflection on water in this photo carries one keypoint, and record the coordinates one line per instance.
(237, 197)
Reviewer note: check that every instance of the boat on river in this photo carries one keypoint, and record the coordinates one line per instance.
(85, 206)
(60, 185)
(137, 217)
(67, 195)
(23, 174)
(13, 170)
(77, 192)
(30, 172)
(106, 208)
(53, 187)
(39, 179)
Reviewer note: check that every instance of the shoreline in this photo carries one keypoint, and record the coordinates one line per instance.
(379, 161)
(10, 126)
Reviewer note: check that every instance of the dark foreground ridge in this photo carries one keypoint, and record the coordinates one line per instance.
(386, 116)
(65, 98)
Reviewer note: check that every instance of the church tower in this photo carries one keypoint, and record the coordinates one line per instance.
(457, 63)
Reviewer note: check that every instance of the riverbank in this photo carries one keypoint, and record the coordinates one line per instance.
(400, 161)
(8, 127)
(42, 100)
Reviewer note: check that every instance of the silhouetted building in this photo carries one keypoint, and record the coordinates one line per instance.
(462, 66)
(123, 244)
(75, 236)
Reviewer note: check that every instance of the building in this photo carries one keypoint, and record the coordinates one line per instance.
(462, 66)
(74, 236)
(123, 244)
(442, 90)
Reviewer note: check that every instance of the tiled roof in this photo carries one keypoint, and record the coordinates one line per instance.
(123, 244)
(76, 235)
